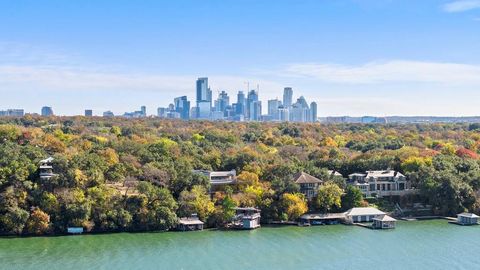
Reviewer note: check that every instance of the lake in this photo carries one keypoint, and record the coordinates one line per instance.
(412, 245)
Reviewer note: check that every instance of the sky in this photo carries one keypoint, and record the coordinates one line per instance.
(352, 57)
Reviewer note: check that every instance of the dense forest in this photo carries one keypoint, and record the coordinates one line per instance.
(114, 174)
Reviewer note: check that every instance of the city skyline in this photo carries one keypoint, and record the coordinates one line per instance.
(423, 59)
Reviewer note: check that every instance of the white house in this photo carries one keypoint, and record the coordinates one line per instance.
(381, 183)
(363, 214)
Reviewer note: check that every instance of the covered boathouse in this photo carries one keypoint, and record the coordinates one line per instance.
(192, 223)
(385, 222)
(467, 219)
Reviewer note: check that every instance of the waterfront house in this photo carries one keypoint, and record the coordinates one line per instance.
(192, 223)
(467, 219)
(384, 222)
(246, 218)
(219, 179)
(381, 183)
(363, 214)
(308, 184)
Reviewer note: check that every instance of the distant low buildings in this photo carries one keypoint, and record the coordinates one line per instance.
(308, 184)
(13, 113)
(137, 114)
(88, 113)
(381, 183)
(108, 114)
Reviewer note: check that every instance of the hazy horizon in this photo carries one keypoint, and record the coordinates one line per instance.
(352, 57)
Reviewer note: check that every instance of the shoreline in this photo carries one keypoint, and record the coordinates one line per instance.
(450, 220)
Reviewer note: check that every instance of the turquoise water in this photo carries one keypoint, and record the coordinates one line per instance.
(413, 245)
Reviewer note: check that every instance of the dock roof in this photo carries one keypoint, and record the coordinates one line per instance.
(364, 211)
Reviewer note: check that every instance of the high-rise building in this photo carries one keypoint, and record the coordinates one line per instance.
(143, 110)
(222, 102)
(162, 112)
(88, 113)
(204, 99)
(313, 112)
(257, 111)
(283, 114)
(287, 97)
(273, 106)
(241, 104)
(47, 111)
(251, 99)
(182, 106)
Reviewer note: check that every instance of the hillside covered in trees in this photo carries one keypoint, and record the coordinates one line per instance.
(114, 174)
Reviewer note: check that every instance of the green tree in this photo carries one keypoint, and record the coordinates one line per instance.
(329, 197)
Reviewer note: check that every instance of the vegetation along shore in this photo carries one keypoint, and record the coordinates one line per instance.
(114, 174)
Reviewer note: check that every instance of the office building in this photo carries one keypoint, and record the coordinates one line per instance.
(204, 99)
(287, 97)
(47, 111)
(182, 106)
(88, 113)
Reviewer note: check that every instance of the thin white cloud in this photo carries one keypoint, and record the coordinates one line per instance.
(461, 6)
(396, 71)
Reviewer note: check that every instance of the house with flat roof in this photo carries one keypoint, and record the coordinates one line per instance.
(308, 184)
(467, 219)
(219, 179)
(381, 183)
(363, 214)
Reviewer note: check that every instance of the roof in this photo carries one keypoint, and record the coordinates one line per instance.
(334, 173)
(384, 173)
(385, 218)
(305, 178)
(47, 160)
(468, 215)
(190, 221)
(364, 211)
(357, 174)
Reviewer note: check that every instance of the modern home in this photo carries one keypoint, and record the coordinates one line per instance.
(308, 184)
(246, 218)
(381, 183)
(46, 169)
(192, 223)
(219, 179)
(467, 219)
(384, 222)
(363, 214)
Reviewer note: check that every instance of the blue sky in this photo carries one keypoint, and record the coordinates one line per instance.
(353, 57)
